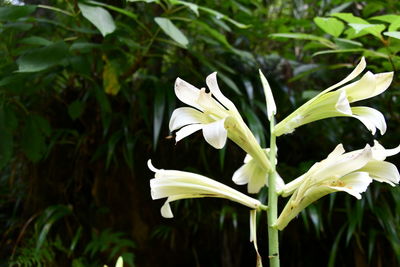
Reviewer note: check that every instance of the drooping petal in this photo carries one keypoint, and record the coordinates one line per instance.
(215, 133)
(371, 118)
(187, 93)
(185, 116)
(269, 98)
(212, 84)
(353, 183)
(187, 130)
(382, 171)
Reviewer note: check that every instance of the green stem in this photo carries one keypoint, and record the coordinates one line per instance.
(273, 238)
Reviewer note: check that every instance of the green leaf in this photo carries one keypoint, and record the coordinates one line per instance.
(193, 7)
(75, 109)
(304, 36)
(120, 10)
(350, 18)
(331, 26)
(386, 18)
(172, 31)
(36, 40)
(99, 17)
(395, 34)
(219, 15)
(42, 58)
(374, 29)
(338, 51)
(15, 12)
(159, 108)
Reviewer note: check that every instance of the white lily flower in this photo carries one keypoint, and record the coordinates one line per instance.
(175, 185)
(254, 176)
(336, 103)
(216, 116)
(350, 172)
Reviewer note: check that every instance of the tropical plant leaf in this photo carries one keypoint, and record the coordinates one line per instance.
(172, 31)
(99, 17)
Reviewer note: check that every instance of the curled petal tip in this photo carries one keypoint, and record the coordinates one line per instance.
(151, 167)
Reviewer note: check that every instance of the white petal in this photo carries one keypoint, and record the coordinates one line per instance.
(371, 118)
(269, 98)
(187, 130)
(380, 153)
(240, 176)
(215, 133)
(166, 211)
(382, 171)
(361, 89)
(120, 262)
(354, 183)
(383, 80)
(212, 84)
(342, 165)
(342, 104)
(187, 93)
(339, 150)
(358, 69)
(151, 167)
(184, 116)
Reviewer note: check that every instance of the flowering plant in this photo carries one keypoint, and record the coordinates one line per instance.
(219, 119)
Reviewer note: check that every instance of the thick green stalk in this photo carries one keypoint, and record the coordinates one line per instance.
(273, 238)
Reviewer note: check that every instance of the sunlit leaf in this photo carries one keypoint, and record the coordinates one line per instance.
(395, 34)
(99, 17)
(110, 78)
(331, 26)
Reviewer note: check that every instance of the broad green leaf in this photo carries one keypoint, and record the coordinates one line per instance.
(216, 35)
(350, 18)
(386, 18)
(36, 40)
(117, 9)
(42, 58)
(75, 109)
(374, 29)
(15, 12)
(331, 26)
(395, 34)
(304, 36)
(99, 17)
(172, 31)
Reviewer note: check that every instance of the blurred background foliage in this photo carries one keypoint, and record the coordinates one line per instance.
(86, 91)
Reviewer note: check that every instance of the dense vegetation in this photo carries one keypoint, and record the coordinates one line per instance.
(86, 92)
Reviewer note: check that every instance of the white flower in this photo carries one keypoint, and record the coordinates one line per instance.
(209, 113)
(348, 172)
(175, 185)
(216, 116)
(336, 103)
(254, 176)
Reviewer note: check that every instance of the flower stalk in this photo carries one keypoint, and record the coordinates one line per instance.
(273, 238)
